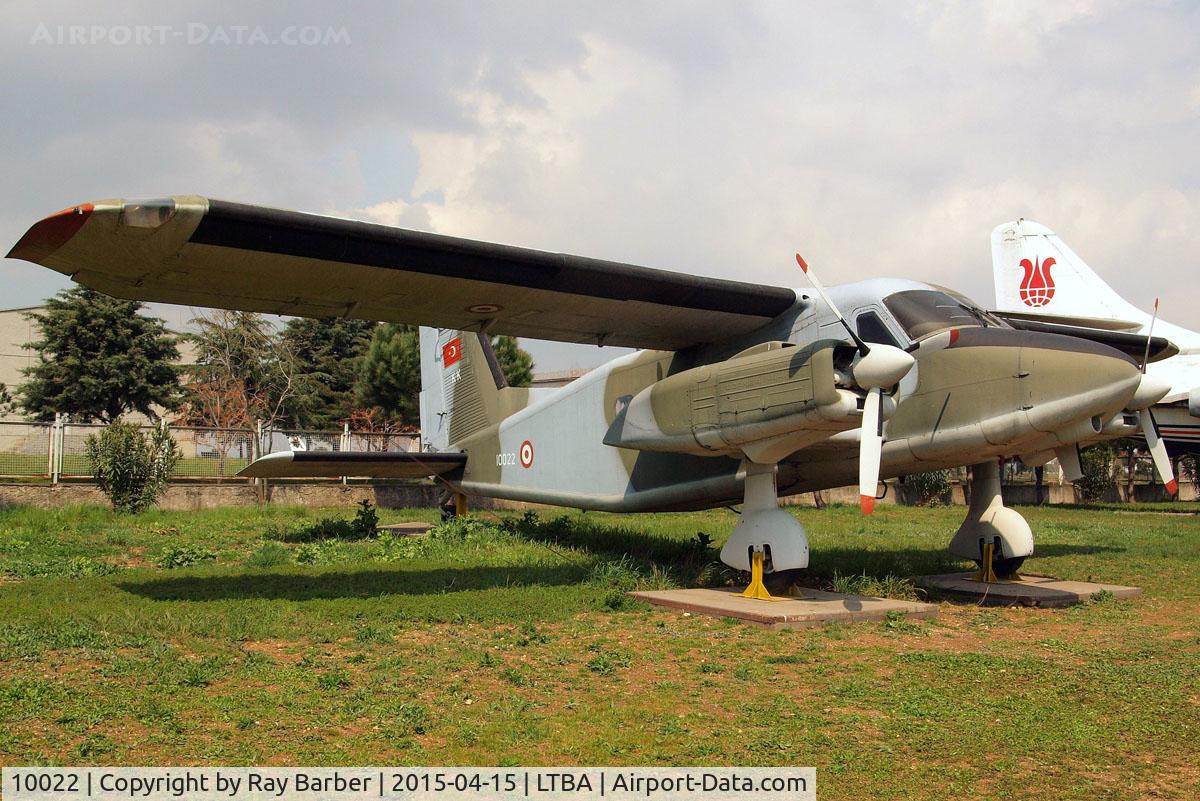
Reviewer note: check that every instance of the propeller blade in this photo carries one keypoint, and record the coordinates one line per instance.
(1158, 450)
(817, 285)
(870, 450)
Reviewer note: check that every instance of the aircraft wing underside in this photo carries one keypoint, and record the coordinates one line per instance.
(195, 251)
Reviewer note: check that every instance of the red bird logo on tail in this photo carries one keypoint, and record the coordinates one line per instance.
(1037, 287)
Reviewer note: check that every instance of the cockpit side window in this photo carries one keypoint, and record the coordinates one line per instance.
(923, 312)
(872, 329)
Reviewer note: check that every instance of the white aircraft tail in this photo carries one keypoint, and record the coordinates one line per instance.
(1036, 273)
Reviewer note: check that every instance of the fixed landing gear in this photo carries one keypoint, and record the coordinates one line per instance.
(996, 538)
(767, 541)
(766, 528)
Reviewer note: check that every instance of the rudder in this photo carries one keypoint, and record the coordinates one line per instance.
(463, 390)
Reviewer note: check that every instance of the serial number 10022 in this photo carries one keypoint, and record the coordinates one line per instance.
(46, 783)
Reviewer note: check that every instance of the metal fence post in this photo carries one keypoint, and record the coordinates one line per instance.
(344, 445)
(51, 464)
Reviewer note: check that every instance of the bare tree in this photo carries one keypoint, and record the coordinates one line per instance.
(245, 374)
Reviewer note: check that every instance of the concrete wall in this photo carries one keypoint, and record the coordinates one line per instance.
(395, 496)
(182, 497)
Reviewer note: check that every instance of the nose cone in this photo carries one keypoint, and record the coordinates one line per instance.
(50, 234)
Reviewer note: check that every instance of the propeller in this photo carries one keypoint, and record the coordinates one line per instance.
(1158, 448)
(875, 368)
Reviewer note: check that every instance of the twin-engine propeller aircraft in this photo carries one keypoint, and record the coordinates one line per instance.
(740, 392)
(1042, 284)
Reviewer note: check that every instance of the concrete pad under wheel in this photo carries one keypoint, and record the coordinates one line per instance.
(407, 529)
(814, 608)
(1025, 591)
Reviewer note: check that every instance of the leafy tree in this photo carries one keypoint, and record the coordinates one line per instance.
(244, 373)
(928, 488)
(514, 360)
(1097, 463)
(389, 376)
(328, 355)
(98, 359)
(131, 469)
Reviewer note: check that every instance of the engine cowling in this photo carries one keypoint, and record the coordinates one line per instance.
(775, 391)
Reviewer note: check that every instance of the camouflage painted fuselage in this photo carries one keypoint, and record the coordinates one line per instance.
(981, 393)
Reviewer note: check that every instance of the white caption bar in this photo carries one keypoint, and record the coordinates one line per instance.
(408, 784)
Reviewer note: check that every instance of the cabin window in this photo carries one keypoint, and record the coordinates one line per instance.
(872, 329)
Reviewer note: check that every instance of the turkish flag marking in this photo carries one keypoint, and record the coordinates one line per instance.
(451, 352)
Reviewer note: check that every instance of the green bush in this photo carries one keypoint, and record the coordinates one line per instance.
(131, 468)
(365, 525)
(927, 489)
(269, 554)
(1097, 463)
(184, 556)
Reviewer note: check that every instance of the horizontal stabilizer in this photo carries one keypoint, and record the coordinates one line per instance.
(331, 464)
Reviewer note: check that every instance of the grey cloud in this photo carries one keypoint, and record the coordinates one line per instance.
(879, 139)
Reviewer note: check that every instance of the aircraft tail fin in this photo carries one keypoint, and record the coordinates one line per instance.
(463, 389)
(1036, 273)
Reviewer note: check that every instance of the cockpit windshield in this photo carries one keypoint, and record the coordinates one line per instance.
(923, 312)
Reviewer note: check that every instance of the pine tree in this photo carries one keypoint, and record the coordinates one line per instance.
(98, 359)
(389, 376)
(328, 356)
(514, 360)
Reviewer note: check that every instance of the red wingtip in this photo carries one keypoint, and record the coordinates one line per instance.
(803, 264)
(50, 234)
(867, 502)
(1172, 487)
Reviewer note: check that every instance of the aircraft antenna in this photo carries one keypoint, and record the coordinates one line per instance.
(1149, 334)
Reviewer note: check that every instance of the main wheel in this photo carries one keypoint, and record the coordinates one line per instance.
(780, 582)
(1004, 567)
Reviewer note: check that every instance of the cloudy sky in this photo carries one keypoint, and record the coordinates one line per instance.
(717, 138)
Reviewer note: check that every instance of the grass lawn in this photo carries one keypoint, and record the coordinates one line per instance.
(226, 637)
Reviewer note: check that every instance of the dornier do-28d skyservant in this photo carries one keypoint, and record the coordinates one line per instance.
(739, 393)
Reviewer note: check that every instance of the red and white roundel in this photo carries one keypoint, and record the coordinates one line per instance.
(526, 454)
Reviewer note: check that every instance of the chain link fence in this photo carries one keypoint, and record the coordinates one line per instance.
(59, 450)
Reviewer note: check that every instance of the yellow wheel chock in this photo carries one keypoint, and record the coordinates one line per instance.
(460, 504)
(757, 589)
(987, 573)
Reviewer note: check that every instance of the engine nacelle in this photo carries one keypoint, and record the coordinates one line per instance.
(758, 396)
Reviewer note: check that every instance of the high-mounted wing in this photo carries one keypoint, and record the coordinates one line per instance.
(318, 464)
(201, 252)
